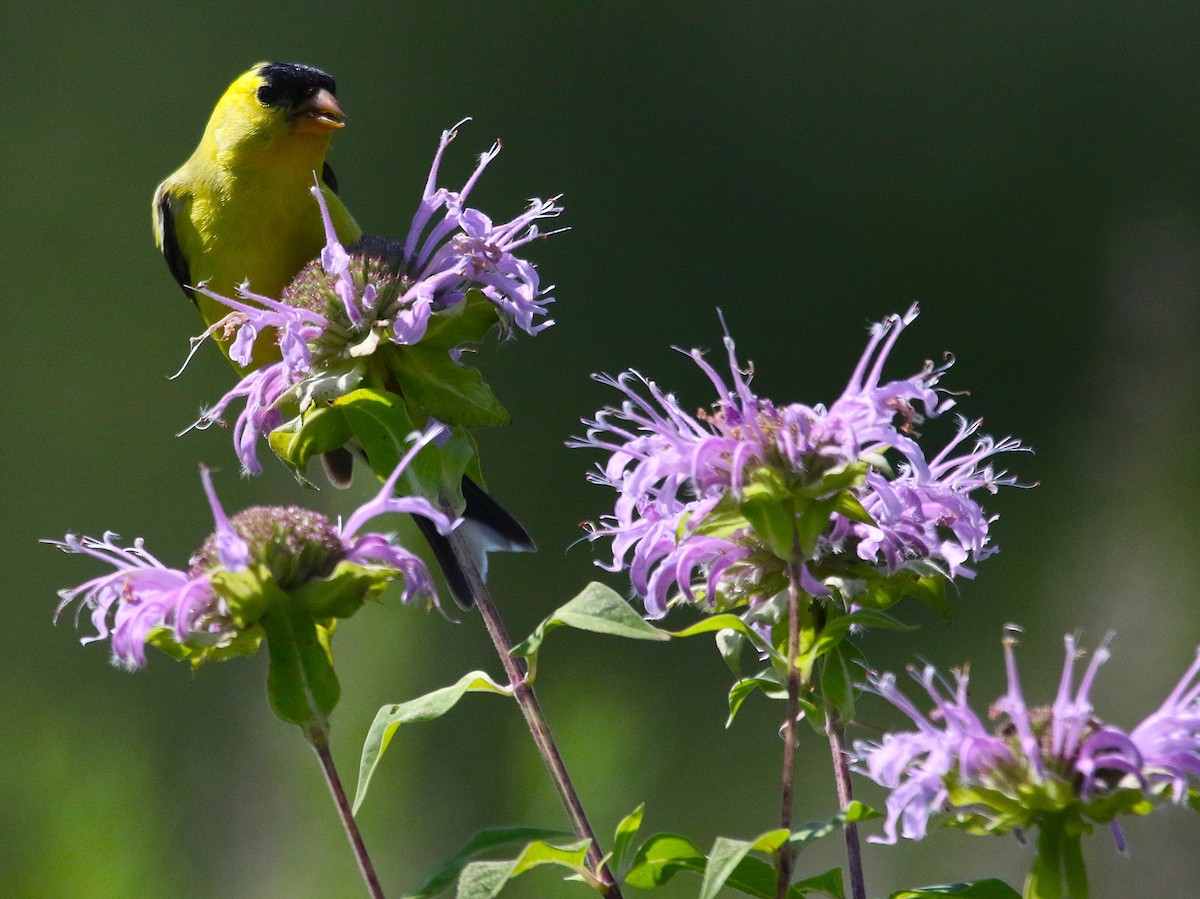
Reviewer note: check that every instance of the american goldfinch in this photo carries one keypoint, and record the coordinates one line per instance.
(240, 211)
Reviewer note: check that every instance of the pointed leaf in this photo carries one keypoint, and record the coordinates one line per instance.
(848, 506)
(660, 858)
(726, 854)
(539, 852)
(465, 322)
(979, 889)
(424, 708)
(727, 621)
(301, 684)
(484, 841)
(627, 830)
(598, 609)
(829, 883)
(482, 880)
(485, 880)
(874, 618)
(754, 877)
(816, 830)
(773, 519)
(729, 645)
(664, 855)
(449, 392)
(931, 591)
(319, 430)
(380, 421)
(814, 521)
(840, 670)
(739, 692)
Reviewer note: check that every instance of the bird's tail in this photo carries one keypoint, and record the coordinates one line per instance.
(487, 527)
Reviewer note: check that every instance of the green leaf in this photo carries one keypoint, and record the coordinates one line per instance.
(931, 591)
(449, 392)
(754, 877)
(485, 880)
(539, 852)
(829, 883)
(729, 645)
(328, 383)
(244, 642)
(771, 511)
(627, 830)
(848, 506)
(814, 521)
(343, 591)
(317, 431)
(738, 693)
(465, 322)
(664, 855)
(484, 841)
(874, 618)
(727, 621)
(726, 854)
(660, 858)
(598, 609)
(808, 833)
(839, 479)
(424, 708)
(301, 684)
(839, 670)
(979, 889)
(380, 421)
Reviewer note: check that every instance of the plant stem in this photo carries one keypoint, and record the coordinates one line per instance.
(319, 738)
(515, 670)
(784, 864)
(841, 776)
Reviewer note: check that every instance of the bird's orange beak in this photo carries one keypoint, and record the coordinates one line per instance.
(319, 114)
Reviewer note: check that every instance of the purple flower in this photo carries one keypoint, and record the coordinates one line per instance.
(210, 609)
(1169, 739)
(1060, 760)
(691, 488)
(335, 322)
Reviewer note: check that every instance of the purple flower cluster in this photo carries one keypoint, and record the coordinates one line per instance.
(678, 476)
(143, 597)
(1038, 762)
(450, 249)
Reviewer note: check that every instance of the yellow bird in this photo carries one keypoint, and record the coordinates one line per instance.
(240, 208)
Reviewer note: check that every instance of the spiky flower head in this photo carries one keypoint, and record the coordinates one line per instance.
(262, 556)
(1034, 766)
(387, 313)
(723, 506)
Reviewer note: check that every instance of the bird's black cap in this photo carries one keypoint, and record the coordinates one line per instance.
(288, 84)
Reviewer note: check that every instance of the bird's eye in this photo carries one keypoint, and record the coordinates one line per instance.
(266, 95)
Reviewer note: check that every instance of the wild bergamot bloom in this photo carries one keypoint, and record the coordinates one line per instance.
(385, 313)
(722, 506)
(255, 565)
(1058, 767)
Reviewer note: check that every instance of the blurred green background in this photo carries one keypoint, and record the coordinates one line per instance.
(1027, 172)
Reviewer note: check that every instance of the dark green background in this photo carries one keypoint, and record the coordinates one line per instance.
(1027, 172)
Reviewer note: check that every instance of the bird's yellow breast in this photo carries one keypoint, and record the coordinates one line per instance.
(259, 226)
(240, 210)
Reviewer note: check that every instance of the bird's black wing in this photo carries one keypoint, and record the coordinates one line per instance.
(170, 243)
(329, 178)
